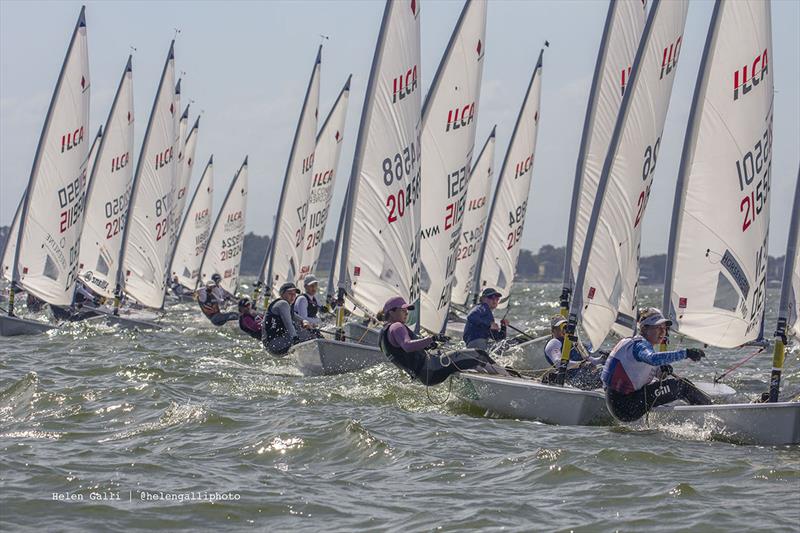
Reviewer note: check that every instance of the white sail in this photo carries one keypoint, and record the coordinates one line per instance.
(608, 274)
(10, 246)
(108, 194)
(194, 231)
(473, 227)
(623, 30)
(188, 146)
(223, 255)
(503, 240)
(790, 289)
(449, 121)
(718, 251)
(326, 162)
(288, 238)
(146, 250)
(380, 245)
(48, 243)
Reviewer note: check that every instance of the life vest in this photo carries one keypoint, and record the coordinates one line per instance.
(312, 307)
(211, 306)
(250, 324)
(411, 362)
(623, 373)
(273, 324)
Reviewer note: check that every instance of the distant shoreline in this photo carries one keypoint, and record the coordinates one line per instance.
(546, 265)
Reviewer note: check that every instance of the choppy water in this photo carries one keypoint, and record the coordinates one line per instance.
(196, 413)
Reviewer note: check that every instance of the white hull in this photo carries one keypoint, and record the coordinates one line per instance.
(358, 332)
(530, 400)
(529, 354)
(324, 357)
(11, 326)
(748, 423)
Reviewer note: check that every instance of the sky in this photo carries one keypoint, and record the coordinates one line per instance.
(246, 66)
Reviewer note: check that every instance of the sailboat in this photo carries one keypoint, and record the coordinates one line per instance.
(449, 123)
(326, 161)
(223, 254)
(717, 258)
(45, 262)
(473, 226)
(107, 195)
(181, 173)
(194, 233)
(144, 253)
(621, 36)
(282, 261)
(639, 123)
(380, 239)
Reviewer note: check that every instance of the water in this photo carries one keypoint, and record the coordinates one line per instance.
(196, 414)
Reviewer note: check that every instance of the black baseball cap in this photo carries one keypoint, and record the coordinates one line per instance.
(490, 293)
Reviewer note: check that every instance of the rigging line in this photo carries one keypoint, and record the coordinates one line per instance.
(717, 379)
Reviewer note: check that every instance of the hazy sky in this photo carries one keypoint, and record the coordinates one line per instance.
(247, 64)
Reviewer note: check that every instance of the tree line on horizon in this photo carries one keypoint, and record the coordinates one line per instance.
(546, 265)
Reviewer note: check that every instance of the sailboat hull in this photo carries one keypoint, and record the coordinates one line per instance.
(529, 354)
(526, 399)
(765, 424)
(359, 332)
(11, 326)
(324, 357)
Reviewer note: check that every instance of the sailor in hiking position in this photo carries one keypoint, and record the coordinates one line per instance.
(280, 328)
(480, 326)
(581, 373)
(408, 352)
(637, 378)
(211, 298)
(306, 306)
(249, 321)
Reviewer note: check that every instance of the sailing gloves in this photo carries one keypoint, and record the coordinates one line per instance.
(695, 354)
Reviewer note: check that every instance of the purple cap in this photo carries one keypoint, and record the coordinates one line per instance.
(398, 302)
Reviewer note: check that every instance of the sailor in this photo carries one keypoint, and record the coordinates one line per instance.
(408, 352)
(249, 321)
(211, 298)
(280, 330)
(634, 374)
(480, 326)
(581, 373)
(306, 306)
(178, 289)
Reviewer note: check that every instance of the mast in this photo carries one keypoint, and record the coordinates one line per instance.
(135, 187)
(689, 143)
(233, 185)
(784, 313)
(269, 259)
(588, 122)
(476, 285)
(352, 186)
(577, 300)
(32, 181)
